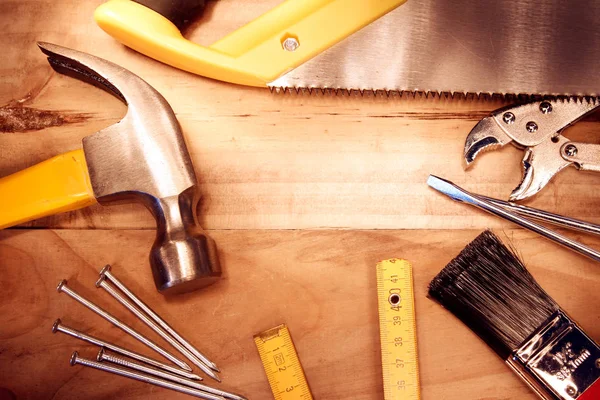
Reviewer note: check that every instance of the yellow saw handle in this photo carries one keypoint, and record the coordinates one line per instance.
(253, 55)
(59, 184)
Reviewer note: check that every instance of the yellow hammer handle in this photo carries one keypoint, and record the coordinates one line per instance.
(254, 54)
(59, 184)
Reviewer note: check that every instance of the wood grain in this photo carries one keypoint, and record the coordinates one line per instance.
(321, 283)
(268, 161)
(303, 195)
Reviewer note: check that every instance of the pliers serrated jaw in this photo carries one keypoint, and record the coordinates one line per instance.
(537, 129)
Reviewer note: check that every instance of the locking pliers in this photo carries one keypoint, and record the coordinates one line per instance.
(537, 128)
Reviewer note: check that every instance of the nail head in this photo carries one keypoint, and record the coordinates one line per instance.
(56, 325)
(101, 279)
(60, 285)
(74, 356)
(104, 270)
(100, 356)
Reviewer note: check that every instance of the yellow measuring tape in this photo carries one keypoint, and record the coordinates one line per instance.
(282, 365)
(397, 330)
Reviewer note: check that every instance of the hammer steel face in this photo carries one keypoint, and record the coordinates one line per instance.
(537, 128)
(141, 158)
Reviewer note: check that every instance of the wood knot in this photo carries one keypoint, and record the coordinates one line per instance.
(15, 117)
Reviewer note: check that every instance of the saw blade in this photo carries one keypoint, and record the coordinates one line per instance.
(546, 47)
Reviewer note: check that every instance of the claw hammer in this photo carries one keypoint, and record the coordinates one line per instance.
(141, 158)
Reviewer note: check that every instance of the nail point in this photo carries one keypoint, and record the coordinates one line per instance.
(216, 378)
(196, 377)
(186, 367)
(55, 325)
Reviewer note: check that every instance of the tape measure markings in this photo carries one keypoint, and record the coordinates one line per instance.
(397, 330)
(282, 365)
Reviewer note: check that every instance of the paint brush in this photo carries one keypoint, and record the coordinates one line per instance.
(489, 289)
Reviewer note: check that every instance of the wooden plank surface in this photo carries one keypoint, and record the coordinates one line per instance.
(266, 161)
(321, 283)
(293, 188)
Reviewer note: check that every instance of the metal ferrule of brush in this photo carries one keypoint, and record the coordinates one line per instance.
(559, 361)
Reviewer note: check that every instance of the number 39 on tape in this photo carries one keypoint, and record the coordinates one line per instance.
(397, 330)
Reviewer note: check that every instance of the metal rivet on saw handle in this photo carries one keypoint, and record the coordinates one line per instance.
(291, 44)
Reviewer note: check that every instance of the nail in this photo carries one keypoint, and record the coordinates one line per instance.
(152, 325)
(106, 271)
(62, 287)
(104, 356)
(60, 327)
(76, 360)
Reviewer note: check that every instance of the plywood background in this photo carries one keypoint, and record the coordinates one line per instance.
(303, 195)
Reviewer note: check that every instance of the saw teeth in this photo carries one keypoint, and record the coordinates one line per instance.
(425, 94)
(429, 94)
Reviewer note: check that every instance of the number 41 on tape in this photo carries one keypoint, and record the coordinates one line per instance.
(397, 330)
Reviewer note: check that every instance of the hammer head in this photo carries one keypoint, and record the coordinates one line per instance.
(144, 158)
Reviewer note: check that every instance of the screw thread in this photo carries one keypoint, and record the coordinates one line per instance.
(196, 385)
(118, 349)
(145, 308)
(104, 314)
(118, 360)
(151, 324)
(76, 360)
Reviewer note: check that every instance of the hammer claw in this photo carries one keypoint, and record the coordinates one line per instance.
(78, 65)
(144, 157)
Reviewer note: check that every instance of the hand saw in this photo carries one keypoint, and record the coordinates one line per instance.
(530, 47)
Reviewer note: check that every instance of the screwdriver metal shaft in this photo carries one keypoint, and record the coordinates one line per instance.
(152, 325)
(76, 360)
(461, 195)
(62, 287)
(104, 356)
(106, 271)
(60, 327)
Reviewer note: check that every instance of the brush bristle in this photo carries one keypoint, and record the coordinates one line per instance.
(489, 289)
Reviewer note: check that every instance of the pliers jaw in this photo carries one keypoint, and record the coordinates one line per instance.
(535, 127)
(540, 164)
(485, 136)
